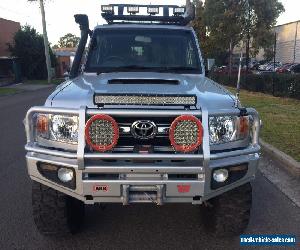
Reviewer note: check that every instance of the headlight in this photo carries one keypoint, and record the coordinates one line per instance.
(60, 128)
(224, 129)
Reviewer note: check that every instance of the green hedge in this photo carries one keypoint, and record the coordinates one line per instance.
(282, 85)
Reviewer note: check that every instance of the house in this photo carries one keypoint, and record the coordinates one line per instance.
(65, 58)
(287, 45)
(7, 31)
(288, 42)
(9, 68)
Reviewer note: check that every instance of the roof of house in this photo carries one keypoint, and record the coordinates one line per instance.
(297, 21)
(6, 20)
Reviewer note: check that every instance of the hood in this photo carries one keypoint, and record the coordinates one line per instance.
(80, 91)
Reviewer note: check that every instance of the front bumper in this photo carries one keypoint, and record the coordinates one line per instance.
(142, 176)
(141, 182)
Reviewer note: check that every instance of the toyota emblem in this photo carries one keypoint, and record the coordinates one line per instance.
(144, 130)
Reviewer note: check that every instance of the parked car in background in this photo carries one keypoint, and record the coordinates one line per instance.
(262, 67)
(224, 70)
(294, 69)
(264, 72)
(269, 66)
(273, 66)
(284, 68)
(255, 65)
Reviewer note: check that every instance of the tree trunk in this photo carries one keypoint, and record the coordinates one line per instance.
(275, 48)
(248, 41)
(247, 55)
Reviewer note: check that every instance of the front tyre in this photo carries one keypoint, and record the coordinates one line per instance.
(229, 213)
(55, 213)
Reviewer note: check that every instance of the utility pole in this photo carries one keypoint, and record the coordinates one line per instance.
(295, 44)
(46, 42)
(275, 48)
(230, 59)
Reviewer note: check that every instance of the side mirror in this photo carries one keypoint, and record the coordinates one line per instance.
(66, 75)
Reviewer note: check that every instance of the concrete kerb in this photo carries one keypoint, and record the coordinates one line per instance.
(288, 162)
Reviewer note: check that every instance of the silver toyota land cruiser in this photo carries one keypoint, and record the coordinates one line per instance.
(138, 122)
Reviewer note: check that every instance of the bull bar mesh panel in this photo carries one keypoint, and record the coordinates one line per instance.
(145, 99)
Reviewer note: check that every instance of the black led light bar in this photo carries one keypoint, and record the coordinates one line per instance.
(145, 100)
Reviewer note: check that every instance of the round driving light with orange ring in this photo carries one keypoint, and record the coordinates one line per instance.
(186, 133)
(102, 133)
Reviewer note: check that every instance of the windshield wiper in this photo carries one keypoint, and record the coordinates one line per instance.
(123, 68)
(139, 67)
(134, 67)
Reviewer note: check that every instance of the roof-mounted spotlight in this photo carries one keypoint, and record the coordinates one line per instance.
(132, 10)
(107, 9)
(153, 10)
(178, 11)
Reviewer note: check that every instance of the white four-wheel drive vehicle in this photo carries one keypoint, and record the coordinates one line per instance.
(138, 122)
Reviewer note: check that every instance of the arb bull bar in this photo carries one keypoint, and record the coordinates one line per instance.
(133, 190)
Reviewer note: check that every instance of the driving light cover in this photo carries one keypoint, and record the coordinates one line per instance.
(61, 175)
(186, 133)
(107, 9)
(153, 10)
(220, 175)
(223, 129)
(227, 175)
(133, 9)
(65, 174)
(179, 11)
(102, 133)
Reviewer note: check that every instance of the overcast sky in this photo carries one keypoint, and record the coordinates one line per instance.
(59, 13)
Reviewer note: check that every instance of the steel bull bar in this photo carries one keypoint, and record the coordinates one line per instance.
(31, 147)
(154, 190)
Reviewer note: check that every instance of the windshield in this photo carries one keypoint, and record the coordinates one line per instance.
(154, 50)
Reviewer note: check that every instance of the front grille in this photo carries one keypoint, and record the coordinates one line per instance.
(159, 144)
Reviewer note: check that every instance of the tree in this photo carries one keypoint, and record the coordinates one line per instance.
(199, 26)
(28, 46)
(223, 24)
(68, 41)
(224, 20)
(208, 45)
(263, 17)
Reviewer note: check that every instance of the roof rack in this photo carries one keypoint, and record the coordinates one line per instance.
(114, 13)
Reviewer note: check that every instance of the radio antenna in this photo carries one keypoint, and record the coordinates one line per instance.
(238, 85)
